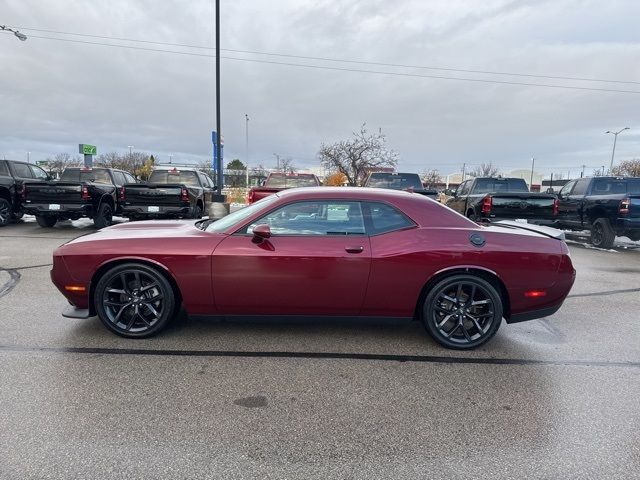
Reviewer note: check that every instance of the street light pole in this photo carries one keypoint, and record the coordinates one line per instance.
(533, 162)
(220, 179)
(130, 147)
(615, 139)
(21, 36)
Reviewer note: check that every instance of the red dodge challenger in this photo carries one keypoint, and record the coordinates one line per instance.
(339, 252)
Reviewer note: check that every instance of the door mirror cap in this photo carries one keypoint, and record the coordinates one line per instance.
(261, 232)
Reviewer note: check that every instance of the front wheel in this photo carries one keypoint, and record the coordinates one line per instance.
(462, 312)
(5, 212)
(602, 235)
(46, 221)
(134, 300)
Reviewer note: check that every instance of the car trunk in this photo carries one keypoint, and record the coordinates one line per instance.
(153, 194)
(522, 205)
(54, 192)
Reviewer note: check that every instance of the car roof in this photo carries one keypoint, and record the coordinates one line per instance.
(167, 168)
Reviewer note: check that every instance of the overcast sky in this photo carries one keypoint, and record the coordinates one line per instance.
(55, 94)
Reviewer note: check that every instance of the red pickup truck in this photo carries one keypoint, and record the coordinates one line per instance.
(277, 182)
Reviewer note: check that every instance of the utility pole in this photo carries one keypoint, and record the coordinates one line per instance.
(464, 167)
(246, 148)
(278, 161)
(582, 174)
(533, 162)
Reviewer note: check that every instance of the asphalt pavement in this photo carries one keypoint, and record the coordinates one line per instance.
(551, 398)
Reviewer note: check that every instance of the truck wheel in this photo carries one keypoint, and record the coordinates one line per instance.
(602, 235)
(17, 215)
(471, 215)
(5, 212)
(104, 216)
(46, 221)
(197, 212)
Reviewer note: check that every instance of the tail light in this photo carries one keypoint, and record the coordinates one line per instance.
(556, 207)
(85, 193)
(252, 196)
(625, 206)
(184, 194)
(121, 195)
(487, 203)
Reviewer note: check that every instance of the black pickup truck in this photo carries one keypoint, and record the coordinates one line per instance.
(169, 193)
(399, 181)
(13, 174)
(492, 199)
(81, 192)
(607, 206)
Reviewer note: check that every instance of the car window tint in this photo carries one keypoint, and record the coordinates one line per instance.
(4, 170)
(612, 186)
(186, 177)
(38, 172)
(315, 218)
(129, 178)
(101, 176)
(119, 178)
(385, 218)
(567, 188)
(22, 170)
(581, 187)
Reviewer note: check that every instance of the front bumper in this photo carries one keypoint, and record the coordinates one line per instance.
(71, 311)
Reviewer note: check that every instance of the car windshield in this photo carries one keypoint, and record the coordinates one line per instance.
(184, 177)
(290, 181)
(239, 216)
(394, 181)
(490, 185)
(95, 175)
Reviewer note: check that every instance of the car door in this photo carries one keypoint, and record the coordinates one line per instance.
(457, 203)
(316, 262)
(567, 209)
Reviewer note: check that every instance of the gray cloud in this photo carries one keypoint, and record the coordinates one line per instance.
(54, 94)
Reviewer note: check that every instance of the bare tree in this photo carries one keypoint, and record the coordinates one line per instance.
(485, 170)
(431, 178)
(60, 161)
(131, 162)
(287, 166)
(356, 157)
(627, 168)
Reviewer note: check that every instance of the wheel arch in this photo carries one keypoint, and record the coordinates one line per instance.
(482, 272)
(109, 264)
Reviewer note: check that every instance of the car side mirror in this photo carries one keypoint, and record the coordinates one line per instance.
(261, 232)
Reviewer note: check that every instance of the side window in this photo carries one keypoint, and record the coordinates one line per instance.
(314, 219)
(102, 176)
(22, 170)
(581, 187)
(118, 177)
(4, 169)
(209, 181)
(129, 178)
(567, 188)
(463, 189)
(38, 172)
(385, 218)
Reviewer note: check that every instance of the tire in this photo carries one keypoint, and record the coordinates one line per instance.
(197, 212)
(5, 212)
(471, 215)
(46, 221)
(134, 301)
(451, 318)
(17, 215)
(104, 217)
(602, 235)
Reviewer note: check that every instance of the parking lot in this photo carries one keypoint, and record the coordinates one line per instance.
(550, 398)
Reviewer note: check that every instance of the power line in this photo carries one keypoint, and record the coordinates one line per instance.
(323, 67)
(327, 59)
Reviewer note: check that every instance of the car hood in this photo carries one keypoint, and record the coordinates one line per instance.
(145, 229)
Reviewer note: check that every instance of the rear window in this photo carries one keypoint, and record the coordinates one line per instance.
(490, 185)
(4, 170)
(394, 181)
(290, 181)
(612, 186)
(185, 177)
(93, 175)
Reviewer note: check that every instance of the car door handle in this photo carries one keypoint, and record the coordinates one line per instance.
(359, 249)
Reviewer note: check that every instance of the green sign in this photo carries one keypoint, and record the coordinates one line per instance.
(88, 149)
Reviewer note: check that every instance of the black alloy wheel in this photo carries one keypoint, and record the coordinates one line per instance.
(104, 217)
(134, 300)
(602, 235)
(462, 312)
(5, 212)
(197, 212)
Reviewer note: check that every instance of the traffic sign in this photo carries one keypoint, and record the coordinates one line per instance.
(88, 149)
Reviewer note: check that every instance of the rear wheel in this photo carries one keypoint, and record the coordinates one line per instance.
(197, 212)
(46, 221)
(134, 300)
(462, 312)
(5, 212)
(602, 235)
(104, 217)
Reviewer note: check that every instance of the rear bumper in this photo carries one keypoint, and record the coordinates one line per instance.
(627, 225)
(66, 209)
(74, 312)
(163, 211)
(547, 222)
